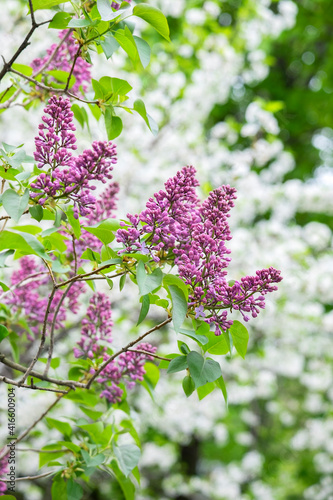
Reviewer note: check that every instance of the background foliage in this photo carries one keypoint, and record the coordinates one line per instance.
(243, 92)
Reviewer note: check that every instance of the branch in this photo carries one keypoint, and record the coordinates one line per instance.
(7, 65)
(149, 354)
(28, 478)
(50, 89)
(72, 384)
(49, 359)
(124, 349)
(31, 386)
(7, 104)
(79, 277)
(72, 68)
(42, 341)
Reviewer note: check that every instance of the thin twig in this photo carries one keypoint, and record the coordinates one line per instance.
(50, 89)
(7, 65)
(8, 216)
(25, 279)
(66, 383)
(54, 53)
(28, 478)
(4, 451)
(79, 277)
(50, 272)
(31, 386)
(72, 68)
(42, 341)
(124, 349)
(49, 359)
(149, 354)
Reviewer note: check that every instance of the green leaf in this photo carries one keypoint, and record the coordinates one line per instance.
(73, 221)
(4, 256)
(152, 373)
(36, 212)
(115, 85)
(184, 348)
(104, 8)
(201, 339)
(126, 485)
(14, 204)
(104, 230)
(122, 282)
(74, 490)
(8, 497)
(179, 306)
(4, 287)
(188, 385)
(91, 255)
(177, 364)
(79, 23)
(45, 458)
(154, 17)
(26, 243)
(140, 108)
(22, 68)
(109, 46)
(143, 49)
(70, 446)
(31, 229)
(202, 370)
(171, 279)
(60, 21)
(46, 4)
(59, 488)
(113, 124)
(127, 44)
(61, 76)
(3, 332)
(204, 390)
(220, 383)
(240, 337)
(94, 461)
(144, 309)
(128, 456)
(218, 344)
(93, 414)
(148, 282)
(62, 427)
(55, 363)
(94, 430)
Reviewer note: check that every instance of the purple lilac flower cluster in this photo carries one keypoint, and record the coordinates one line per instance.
(3, 471)
(96, 330)
(176, 225)
(129, 366)
(29, 296)
(67, 176)
(63, 61)
(96, 327)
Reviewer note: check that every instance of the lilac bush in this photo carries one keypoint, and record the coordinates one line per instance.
(61, 271)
